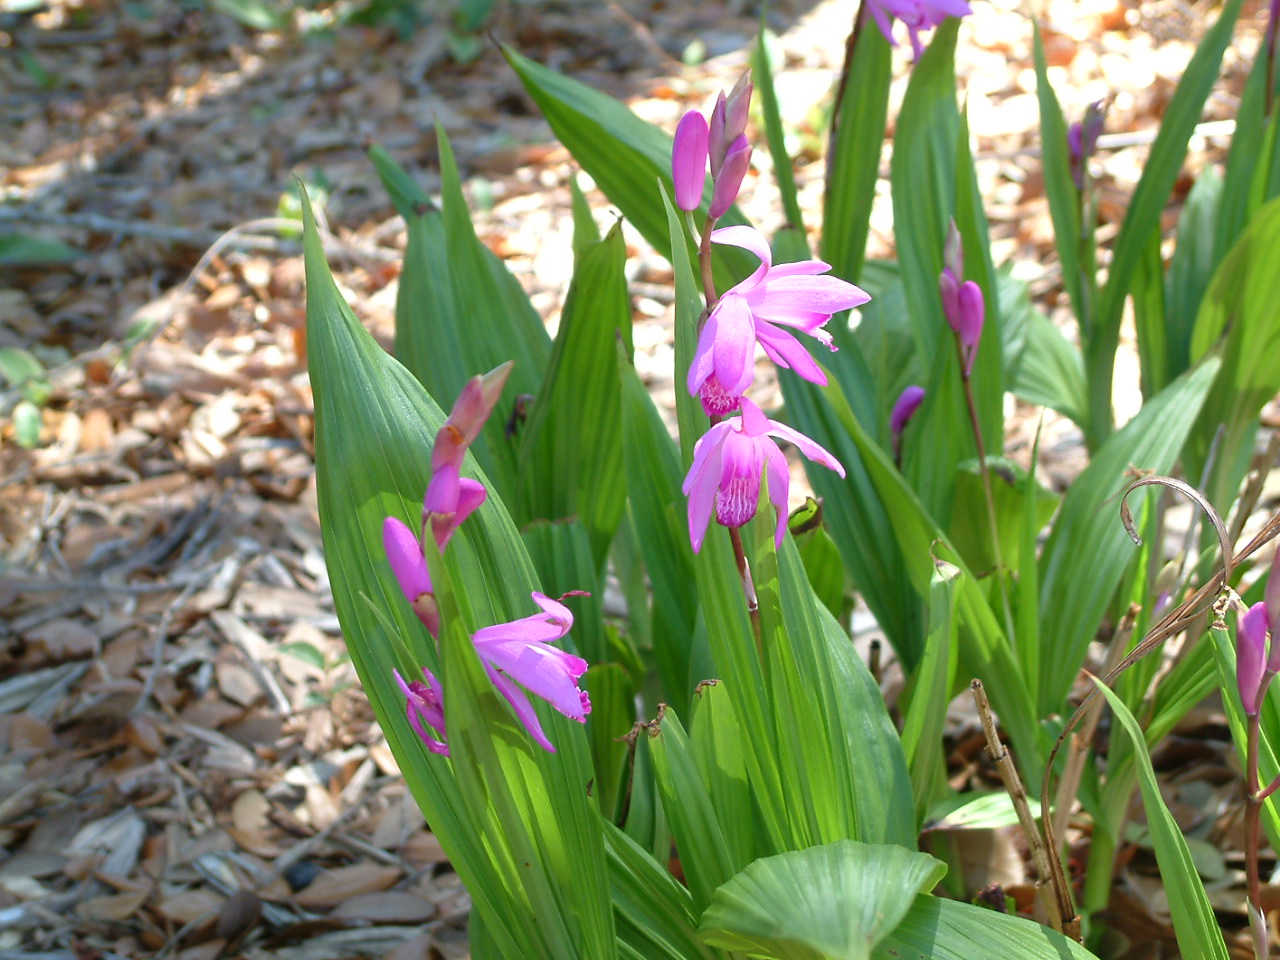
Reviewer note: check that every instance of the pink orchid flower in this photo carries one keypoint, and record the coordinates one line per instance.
(425, 704)
(758, 309)
(521, 652)
(727, 462)
(904, 409)
(918, 15)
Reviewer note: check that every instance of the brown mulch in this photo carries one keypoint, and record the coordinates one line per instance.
(188, 767)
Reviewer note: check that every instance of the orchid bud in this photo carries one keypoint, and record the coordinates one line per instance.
(737, 107)
(689, 160)
(949, 290)
(468, 416)
(1251, 651)
(904, 409)
(717, 142)
(1271, 601)
(1082, 140)
(407, 562)
(971, 316)
(729, 180)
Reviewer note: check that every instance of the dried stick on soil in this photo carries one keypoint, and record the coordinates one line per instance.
(1018, 794)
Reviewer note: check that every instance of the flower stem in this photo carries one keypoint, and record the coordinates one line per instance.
(748, 588)
(704, 261)
(1252, 809)
(990, 498)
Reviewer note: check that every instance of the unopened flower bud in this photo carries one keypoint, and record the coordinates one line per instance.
(1251, 653)
(729, 180)
(689, 160)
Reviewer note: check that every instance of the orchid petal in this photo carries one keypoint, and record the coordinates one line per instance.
(742, 463)
(404, 554)
(689, 160)
(523, 708)
(734, 345)
(748, 238)
(814, 451)
(786, 351)
(703, 364)
(779, 478)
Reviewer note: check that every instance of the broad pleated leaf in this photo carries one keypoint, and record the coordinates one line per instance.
(1044, 368)
(938, 929)
(835, 901)
(654, 913)
(705, 856)
(571, 449)
(459, 311)
(928, 695)
(1088, 551)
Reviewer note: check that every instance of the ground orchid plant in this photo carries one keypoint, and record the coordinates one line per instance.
(714, 772)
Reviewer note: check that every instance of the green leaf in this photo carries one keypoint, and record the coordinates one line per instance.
(1087, 554)
(500, 796)
(705, 855)
(1143, 217)
(923, 174)
(613, 712)
(853, 156)
(571, 455)
(623, 154)
(561, 553)
(970, 811)
(254, 14)
(1193, 265)
(653, 477)
(654, 913)
(928, 694)
(718, 744)
(27, 423)
(1247, 148)
(1043, 366)
(820, 555)
(1239, 310)
(1194, 924)
(459, 312)
(24, 249)
(937, 929)
(762, 75)
(1060, 188)
(1149, 318)
(837, 901)
(1013, 493)
(305, 652)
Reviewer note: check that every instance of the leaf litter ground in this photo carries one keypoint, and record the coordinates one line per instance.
(187, 766)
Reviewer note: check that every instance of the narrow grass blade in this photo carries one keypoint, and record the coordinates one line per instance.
(1193, 921)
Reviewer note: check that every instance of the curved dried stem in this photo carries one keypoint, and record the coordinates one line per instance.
(1172, 623)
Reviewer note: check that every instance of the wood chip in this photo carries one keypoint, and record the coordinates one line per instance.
(333, 887)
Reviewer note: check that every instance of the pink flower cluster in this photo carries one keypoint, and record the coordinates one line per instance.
(761, 311)
(517, 655)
